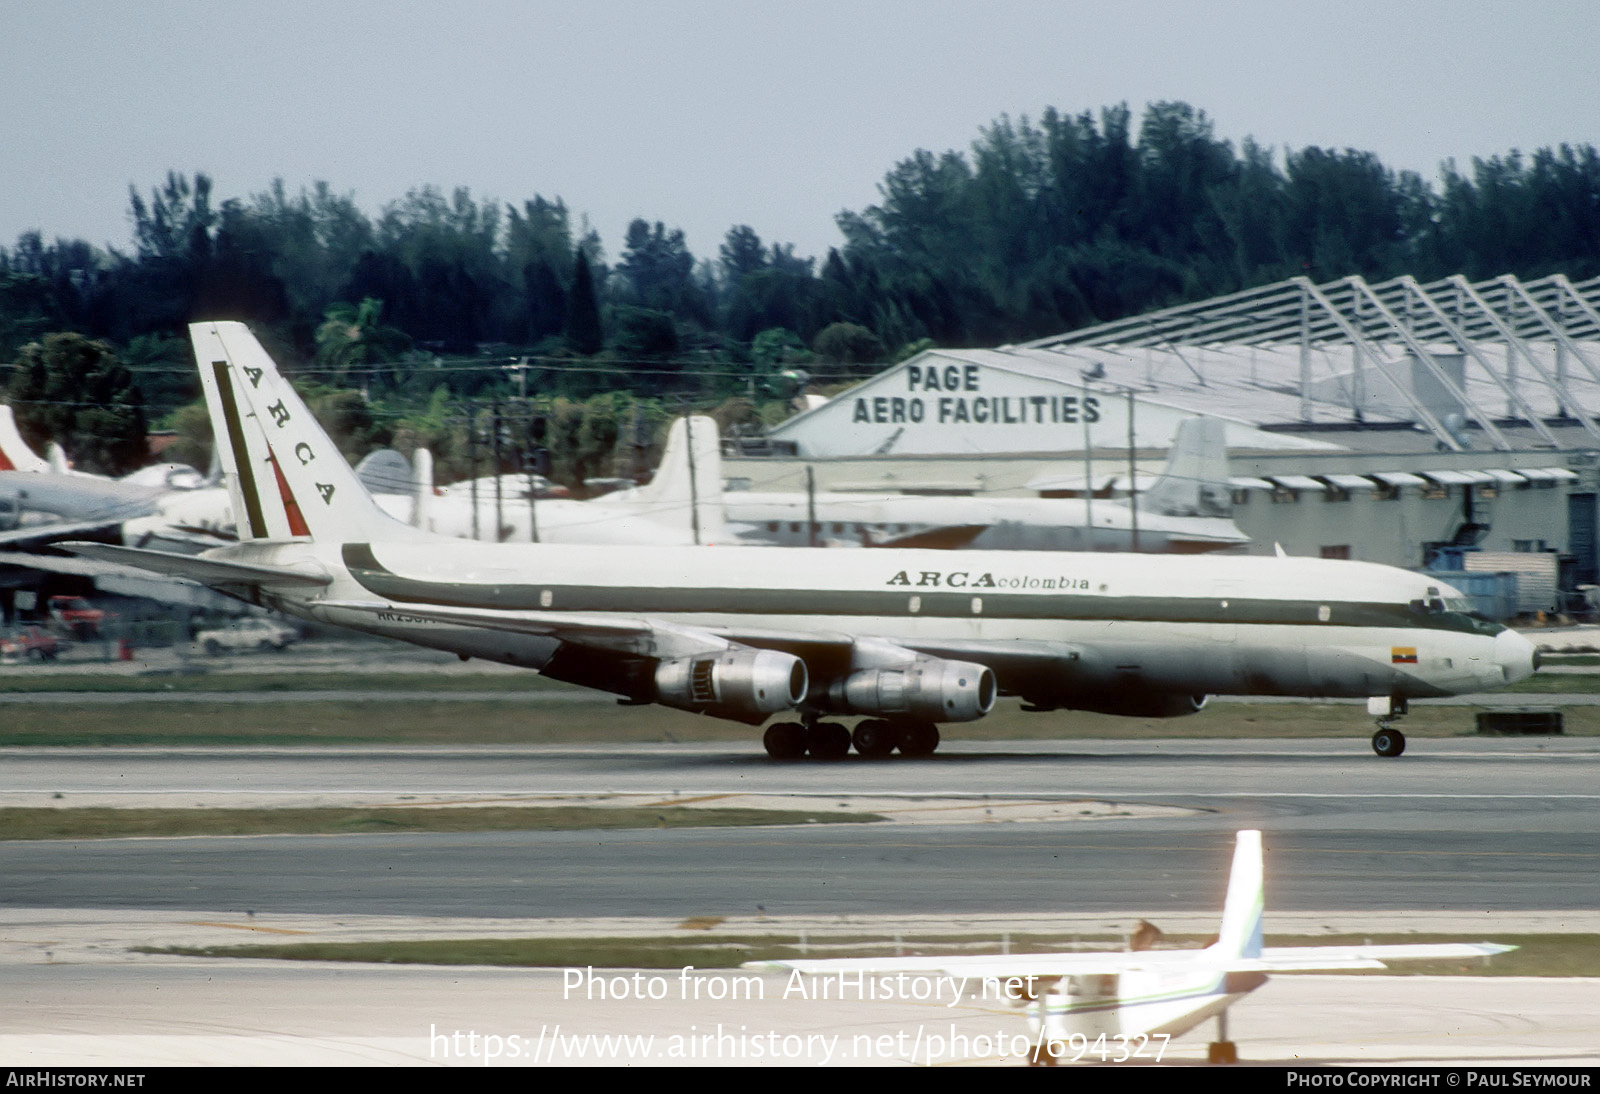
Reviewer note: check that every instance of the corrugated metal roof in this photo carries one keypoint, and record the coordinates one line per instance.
(1442, 355)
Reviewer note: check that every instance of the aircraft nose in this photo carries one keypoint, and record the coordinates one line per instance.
(1516, 656)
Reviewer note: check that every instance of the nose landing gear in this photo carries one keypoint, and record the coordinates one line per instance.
(1387, 741)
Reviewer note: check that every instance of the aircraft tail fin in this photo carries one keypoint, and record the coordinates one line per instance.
(687, 487)
(15, 455)
(1240, 935)
(286, 477)
(56, 457)
(1195, 481)
(422, 489)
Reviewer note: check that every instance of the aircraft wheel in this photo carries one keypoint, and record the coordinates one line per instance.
(828, 741)
(1222, 1052)
(785, 741)
(1388, 742)
(918, 738)
(874, 738)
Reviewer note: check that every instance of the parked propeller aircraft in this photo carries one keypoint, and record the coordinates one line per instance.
(906, 639)
(1103, 1006)
(41, 500)
(1188, 509)
(165, 506)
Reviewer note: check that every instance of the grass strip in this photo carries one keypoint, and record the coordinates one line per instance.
(1537, 955)
(18, 683)
(378, 721)
(107, 823)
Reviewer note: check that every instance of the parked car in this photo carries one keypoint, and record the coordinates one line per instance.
(76, 617)
(32, 643)
(246, 634)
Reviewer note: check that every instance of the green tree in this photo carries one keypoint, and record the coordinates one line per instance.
(353, 339)
(848, 344)
(583, 331)
(75, 391)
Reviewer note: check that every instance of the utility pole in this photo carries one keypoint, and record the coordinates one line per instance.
(1133, 477)
(472, 464)
(494, 448)
(1088, 464)
(694, 496)
(811, 506)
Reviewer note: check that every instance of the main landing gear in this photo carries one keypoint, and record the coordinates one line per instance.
(873, 739)
(1388, 741)
(1222, 1050)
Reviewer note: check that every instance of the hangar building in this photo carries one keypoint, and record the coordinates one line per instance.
(1394, 422)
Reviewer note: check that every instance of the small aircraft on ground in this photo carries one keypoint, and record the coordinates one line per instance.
(905, 639)
(1128, 998)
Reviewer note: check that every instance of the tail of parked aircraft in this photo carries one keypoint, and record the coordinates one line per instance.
(15, 455)
(1195, 481)
(687, 487)
(422, 490)
(1240, 935)
(286, 477)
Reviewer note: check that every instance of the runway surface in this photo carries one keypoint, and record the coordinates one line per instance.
(1453, 825)
(1491, 832)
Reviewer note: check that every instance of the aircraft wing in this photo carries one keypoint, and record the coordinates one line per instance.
(647, 637)
(1290, 958)
(638, 635)
(47, 535)
(1272, 959)
(206, 571)
(993, 965)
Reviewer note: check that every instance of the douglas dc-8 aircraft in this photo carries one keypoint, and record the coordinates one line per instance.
(1098, 1007)
(908, 639)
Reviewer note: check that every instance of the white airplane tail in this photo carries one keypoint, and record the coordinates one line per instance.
(286, 477)
(687, 487)
(1240, 935)
(1195, 481)
(15, 455)
(422, 489)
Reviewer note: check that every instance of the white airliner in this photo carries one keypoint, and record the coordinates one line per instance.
(1097, 1007)
(908, 639)
(1187, 510)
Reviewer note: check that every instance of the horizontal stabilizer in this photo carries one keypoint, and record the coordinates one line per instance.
(194, 568)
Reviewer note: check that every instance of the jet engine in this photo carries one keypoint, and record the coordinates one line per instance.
(745, 683)
(928, 689)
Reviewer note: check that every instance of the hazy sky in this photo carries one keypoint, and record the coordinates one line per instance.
(708, 114)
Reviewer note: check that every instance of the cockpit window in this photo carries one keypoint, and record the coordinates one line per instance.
(1455, 613)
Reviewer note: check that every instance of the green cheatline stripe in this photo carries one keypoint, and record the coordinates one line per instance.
(997, 603)
(241, 455)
